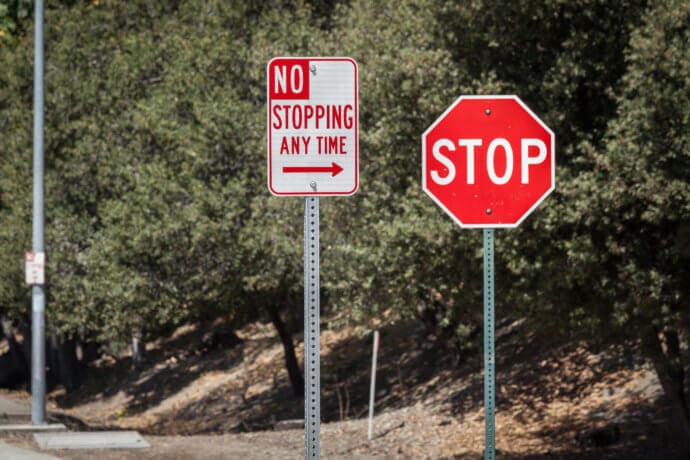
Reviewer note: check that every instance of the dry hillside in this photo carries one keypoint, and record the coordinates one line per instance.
(554, 400)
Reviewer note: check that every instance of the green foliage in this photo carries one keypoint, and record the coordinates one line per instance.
(15, 177)
(614, 240)
(563, 58)
(13, 16)
(642, 177)
(157, 207)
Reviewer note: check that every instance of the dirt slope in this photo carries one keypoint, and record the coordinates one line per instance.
(553, 400)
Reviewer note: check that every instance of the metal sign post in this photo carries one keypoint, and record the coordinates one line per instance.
(38, 296)
(489, 351)
(312, 133)
(312, 345)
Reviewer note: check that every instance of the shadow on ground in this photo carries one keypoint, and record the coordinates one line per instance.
(532, 372)
(174, 365)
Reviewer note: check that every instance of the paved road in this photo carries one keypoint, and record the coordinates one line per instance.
(17, 411)
(13, 410)
(10, 452)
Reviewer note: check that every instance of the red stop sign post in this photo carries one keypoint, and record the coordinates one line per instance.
(488, 162)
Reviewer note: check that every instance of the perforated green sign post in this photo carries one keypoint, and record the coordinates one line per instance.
(489, 351)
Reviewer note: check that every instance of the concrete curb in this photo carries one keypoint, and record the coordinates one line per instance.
(28, 427)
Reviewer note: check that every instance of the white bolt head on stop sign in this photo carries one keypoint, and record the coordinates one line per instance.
(488, 161)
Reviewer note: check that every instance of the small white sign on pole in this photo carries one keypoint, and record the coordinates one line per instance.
(35, 265)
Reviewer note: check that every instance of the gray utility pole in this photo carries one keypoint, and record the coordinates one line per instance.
(38, 294)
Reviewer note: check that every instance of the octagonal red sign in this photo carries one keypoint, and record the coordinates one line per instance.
(488, 161)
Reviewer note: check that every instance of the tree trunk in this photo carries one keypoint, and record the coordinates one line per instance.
(64, 365)
(291, 364)
(87, 351)
(139, 357)
(25, 330)
(15, 370)
(669, 368)
(52, 367)
(68, 364)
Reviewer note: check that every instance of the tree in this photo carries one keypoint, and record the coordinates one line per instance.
(643, 202)
(15, 193)
(389, 242)
(617, 237)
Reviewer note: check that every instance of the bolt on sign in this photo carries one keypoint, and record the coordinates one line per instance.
(488, 161)
(312, 126)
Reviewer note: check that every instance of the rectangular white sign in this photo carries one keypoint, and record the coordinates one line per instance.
(313, 122)
(35, 264)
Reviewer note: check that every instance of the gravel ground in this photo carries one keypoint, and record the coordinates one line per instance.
(410, 433)
(558, 402)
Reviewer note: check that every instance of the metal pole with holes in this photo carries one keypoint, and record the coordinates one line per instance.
(489, 352)
(38, 295)
(312, 369)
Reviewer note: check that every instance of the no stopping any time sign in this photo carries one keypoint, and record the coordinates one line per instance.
(313, 123)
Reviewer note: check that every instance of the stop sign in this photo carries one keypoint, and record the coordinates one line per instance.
(488, 161)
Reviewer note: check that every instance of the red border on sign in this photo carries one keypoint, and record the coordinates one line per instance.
(268, 128)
